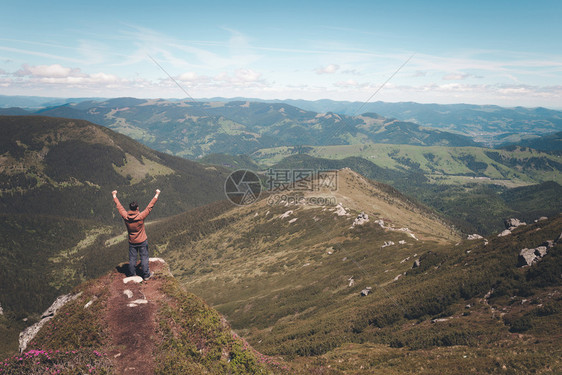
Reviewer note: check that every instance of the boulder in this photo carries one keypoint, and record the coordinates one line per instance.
(361, 219)
(513, 223)
(134, 279)
(474, 236)
(506, 232)
(365, 292)
(526, 257)
(1, 310)
(340, 210)
(559, 239)
(416, 263)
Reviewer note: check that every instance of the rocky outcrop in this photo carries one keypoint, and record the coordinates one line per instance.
(513, 223)
(506, 232)
(340, 210)
(365, 292)
(361, 219)
(29, 333)
(416, 263)
(475, 236)
(528, 257)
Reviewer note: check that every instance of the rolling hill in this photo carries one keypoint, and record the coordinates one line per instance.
(549, 142)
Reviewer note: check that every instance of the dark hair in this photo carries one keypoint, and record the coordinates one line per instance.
(134, 206)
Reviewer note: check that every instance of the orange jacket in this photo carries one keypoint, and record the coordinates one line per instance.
(134, 220)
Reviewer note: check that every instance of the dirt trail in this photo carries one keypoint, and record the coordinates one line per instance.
(132, 322)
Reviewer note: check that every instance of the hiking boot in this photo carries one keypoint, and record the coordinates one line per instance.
(149, 276)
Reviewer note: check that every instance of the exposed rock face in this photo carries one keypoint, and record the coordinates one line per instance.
(513, 223)
(474, 236)
(366, 291)
(416, 263)
(506, 232)
(29, 333)
(528, 257)
(388, 243)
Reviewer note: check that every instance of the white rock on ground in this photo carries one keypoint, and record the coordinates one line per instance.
(474, 236)
(1, 310)
(29, 333)
(286, 214)
(341, 211)
(134, 279)
(361, 219)
(506, 232)
(293, 220)
(90, 302)
(156, 260)
(137, 302)
(128, 293)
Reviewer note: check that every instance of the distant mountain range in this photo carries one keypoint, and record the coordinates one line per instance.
(193, 130)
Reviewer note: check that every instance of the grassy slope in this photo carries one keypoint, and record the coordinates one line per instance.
(281, 288)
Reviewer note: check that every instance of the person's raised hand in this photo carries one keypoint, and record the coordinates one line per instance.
(157, 192)
(114, 193)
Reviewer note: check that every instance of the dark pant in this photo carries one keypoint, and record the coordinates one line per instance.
(142, 250)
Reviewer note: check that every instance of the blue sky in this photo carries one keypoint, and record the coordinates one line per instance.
(483, 52)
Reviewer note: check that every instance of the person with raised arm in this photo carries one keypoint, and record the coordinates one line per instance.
(138, 241)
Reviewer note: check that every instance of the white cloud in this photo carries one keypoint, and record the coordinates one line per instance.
(329, 69)
(248, 75)
(189, 77)
(52, 71)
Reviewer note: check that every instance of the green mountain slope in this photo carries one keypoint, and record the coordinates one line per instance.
(289, 277)
(549, 142)
(192, 129)
(56, 178)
